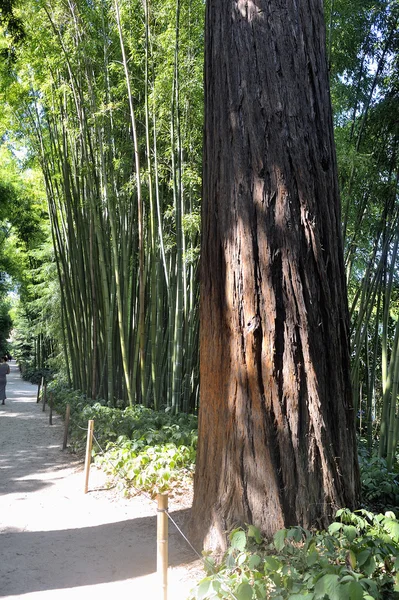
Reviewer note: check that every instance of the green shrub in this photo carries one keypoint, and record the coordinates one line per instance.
(145, 449)
(357, 558)
(380, 487)
(152, 468)
(35, 375)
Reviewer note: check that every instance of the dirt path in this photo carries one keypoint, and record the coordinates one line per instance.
(55, 541)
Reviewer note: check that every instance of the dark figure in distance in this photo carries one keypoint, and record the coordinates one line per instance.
(4, 371)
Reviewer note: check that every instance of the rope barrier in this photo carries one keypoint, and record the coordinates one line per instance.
(208, 565)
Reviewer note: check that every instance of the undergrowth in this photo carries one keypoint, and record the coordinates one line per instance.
(141, 448)
(356, 559)
(380, 486)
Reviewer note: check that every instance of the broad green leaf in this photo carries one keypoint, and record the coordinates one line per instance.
(369, 566)
(328, 585)
(295, 533)
(362, 557)
(279, 539)
(352, 559)
(312, 558)
(271, 563)
(350, 532)
(334, 527)
(392, 526)
(352, 591)
(254, 561)
(238, 540)
(255, 533)
(230, 561)
(370, 586)
(216, 585)
(204, 588)
(244, 592)
(260, 589)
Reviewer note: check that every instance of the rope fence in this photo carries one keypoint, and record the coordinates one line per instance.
(162, 510)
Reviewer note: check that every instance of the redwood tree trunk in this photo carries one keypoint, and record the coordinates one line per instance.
(277, 440)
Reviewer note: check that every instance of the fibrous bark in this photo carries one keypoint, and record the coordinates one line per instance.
(276, 440)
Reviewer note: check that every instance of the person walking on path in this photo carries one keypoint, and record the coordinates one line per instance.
(4, 371)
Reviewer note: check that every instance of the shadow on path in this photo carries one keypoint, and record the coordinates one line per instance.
(125, 552)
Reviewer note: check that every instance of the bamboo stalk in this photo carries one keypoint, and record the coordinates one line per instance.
(141, 319)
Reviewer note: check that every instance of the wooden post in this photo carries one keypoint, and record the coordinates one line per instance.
(39, 387)
(44, 395)
(162, 545)
(50, 418)
(89, 443)
(67, 416)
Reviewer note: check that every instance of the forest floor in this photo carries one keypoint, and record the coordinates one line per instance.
(57, 542)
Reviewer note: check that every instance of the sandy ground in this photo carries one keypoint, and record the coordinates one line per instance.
(57, 542)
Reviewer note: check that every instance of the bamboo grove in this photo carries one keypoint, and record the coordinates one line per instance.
(364, 56)
(107, 100)
(107, 96)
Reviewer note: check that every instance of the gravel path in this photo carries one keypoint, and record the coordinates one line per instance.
(58, 543)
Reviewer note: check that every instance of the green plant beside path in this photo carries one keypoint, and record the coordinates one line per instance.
(141, 448)
(356, 559)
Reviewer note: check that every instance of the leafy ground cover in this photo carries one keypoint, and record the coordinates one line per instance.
(380, 485)
(356, 559)
(140, 448)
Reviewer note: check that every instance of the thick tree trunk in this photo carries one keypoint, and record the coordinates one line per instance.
(277, 440)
